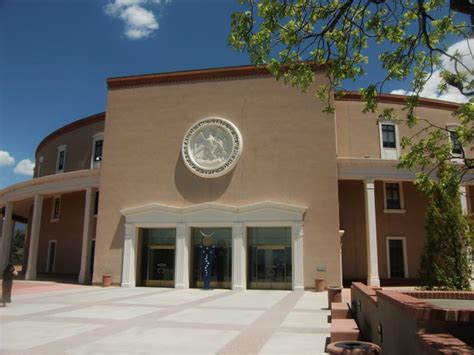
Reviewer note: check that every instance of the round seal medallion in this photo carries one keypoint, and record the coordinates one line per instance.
(212, 147)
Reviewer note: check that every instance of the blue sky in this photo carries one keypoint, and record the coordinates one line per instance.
(55, 56)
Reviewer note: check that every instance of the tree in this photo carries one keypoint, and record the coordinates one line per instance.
(408, 40)
(444, 263)
(17, 249)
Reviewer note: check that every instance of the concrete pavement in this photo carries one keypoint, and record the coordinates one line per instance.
(94, 320)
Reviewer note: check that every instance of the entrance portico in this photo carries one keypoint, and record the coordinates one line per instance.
(212, 215)
(28, 200)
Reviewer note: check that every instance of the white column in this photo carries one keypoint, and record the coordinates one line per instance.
(239, 269)
(7, 232)
(371, 227)
(183, 244)
(34, 238)
(84, 273)
(129, 256)
(341, 235)
(297, 256)
(463, 197)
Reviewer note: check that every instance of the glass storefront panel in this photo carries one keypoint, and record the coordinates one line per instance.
(269, 258)
(219, 255)
(157, 257)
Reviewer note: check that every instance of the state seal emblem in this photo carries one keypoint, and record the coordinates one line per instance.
(212, 147)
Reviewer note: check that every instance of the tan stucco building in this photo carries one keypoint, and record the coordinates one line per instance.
(224, 169)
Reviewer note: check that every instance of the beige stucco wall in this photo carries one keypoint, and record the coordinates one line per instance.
(78, 149)
(358, 132)
(288, 156)
(67, 231)
(410, 225)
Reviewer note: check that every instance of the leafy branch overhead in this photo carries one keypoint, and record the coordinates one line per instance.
(392, 40)
(409, 38)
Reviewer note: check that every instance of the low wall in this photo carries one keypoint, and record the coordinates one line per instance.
(395, 321)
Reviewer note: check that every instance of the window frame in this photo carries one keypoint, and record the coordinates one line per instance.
(53, 209)
(387, 152)
(96, 203)
(51, 241)
(39, 171)
(405, 257)
(95, 138)
(400, 193)
(61, 148)
(451, 129)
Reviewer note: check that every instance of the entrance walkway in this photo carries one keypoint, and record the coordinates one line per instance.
(86, 320)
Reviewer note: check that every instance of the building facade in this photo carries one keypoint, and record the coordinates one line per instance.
(223, 176)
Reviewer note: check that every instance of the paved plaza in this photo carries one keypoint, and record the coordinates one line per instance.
(94, 320)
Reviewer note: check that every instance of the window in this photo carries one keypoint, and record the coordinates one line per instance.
(96, 203)
(61, 159)
(388, 136)
(397, 257)
(389, 145)
(393, 197)
(56, 210)
(457, 150)
(97, 146)
(51, 260)
(39, 173)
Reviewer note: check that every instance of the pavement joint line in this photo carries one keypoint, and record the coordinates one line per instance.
(254, 337)
(118, 326)
(304, 330)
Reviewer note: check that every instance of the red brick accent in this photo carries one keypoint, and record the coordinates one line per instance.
(193, 75)
(340, 311)
(443, 344)
(368, 291)
(401, 100)
(454, 295)
(344, 330)
(71, 127)
(425, 311)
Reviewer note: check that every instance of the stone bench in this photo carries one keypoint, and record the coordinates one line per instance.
(340, 311)
(344, 330)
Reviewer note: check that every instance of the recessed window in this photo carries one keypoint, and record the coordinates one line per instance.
(51, 261)
(56, 211)
(397, 257)
(39, 173)
(393, 197)
(388, 136)
(97, 147)
(457, 150)
(389, 145)
(96, 203)
(61, 159)
(392, 194)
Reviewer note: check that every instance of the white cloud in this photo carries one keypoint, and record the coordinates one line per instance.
(139, 22)
(24, 167)
(6, 159)
(466, 49)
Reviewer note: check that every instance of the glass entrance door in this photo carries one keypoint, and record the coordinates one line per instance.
(160, 269)
(157, 257)
(271, 267)
(213, 246)
(269, 258)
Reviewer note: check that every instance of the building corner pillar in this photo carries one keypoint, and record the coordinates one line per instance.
(239, 280)
(371, 229)
(34, 238)
(183, 244)
(7, 233)
(84, 273)
(129, 256)
(297, 248)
